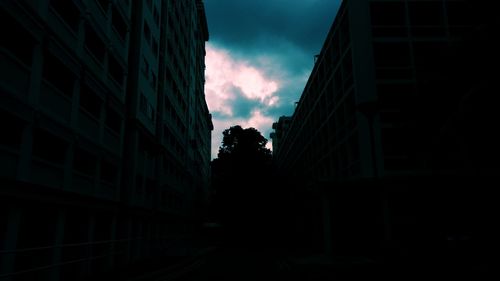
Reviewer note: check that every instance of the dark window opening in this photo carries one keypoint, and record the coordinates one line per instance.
(13, 128)
(394, 142)
(119, 24)
(68, 11)
(113, 120)
(94, 44)
(156, 15)
(391, 54)
(58, 74)
(459, 12)
(426, 13)
(109, 171)
(36, 228)
(84, 162)
(153, 80)
(49, 147)
(115, 70)
(154, 47)
(103, 4)
(143, 103)
(102, 231)
(147, 32)
(90, 101)
(388, 13)
(75, 230)
(138, 183)
(16, 39)
(395, 94)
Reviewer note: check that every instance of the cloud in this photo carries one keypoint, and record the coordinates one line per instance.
(259, 58)
(238, 93)
(250, 24)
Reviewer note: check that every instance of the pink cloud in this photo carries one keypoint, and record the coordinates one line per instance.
(224, 74)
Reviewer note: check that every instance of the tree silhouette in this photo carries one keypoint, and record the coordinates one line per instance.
(240, 180)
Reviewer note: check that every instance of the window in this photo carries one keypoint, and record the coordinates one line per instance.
(394, 93)
(388, 13)
(150, 113)
(427, 18)
(68, 11)
(104, 5)
(393, 54)
(458, 12)
(156, 15)
(58, 74)
(48, 147)
(145, 67)
(154, 47)
(13, 130)
(143, 103)
(90, 101)
(426, 12)
(16, 39)
(94, 43)
(84, 162)
(147, 32)
(109, 171)
(153, 80)
(119, 24)
(113, 120)
(115, 70)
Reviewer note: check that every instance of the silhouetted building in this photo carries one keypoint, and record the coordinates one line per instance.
(280, 129)
(105, 146)
(392, 98)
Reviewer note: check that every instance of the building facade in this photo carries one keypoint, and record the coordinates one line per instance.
(385, 108)
(280, 128)
(106, 145)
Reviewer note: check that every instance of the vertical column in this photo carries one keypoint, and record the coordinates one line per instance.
(7, 261)
(112, 246)
(57, 250)
(327, 224)
(90, 233)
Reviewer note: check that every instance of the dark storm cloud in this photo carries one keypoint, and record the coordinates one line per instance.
(256, 24)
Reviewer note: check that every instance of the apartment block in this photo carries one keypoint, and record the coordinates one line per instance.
(390, 105)
(105, 149)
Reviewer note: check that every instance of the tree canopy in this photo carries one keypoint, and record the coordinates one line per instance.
(240, 178)
(243, 144)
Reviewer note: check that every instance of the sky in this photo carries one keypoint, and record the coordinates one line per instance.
(259, 57)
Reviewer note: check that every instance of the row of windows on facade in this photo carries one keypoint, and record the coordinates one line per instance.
(179, 62)
(50, 148)
(318, 104)
(55, 72)
(173, 142)
(71, 14)
(174, 119)
(36, 228)
(421, 13)
(326, 133)
(21, 44)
